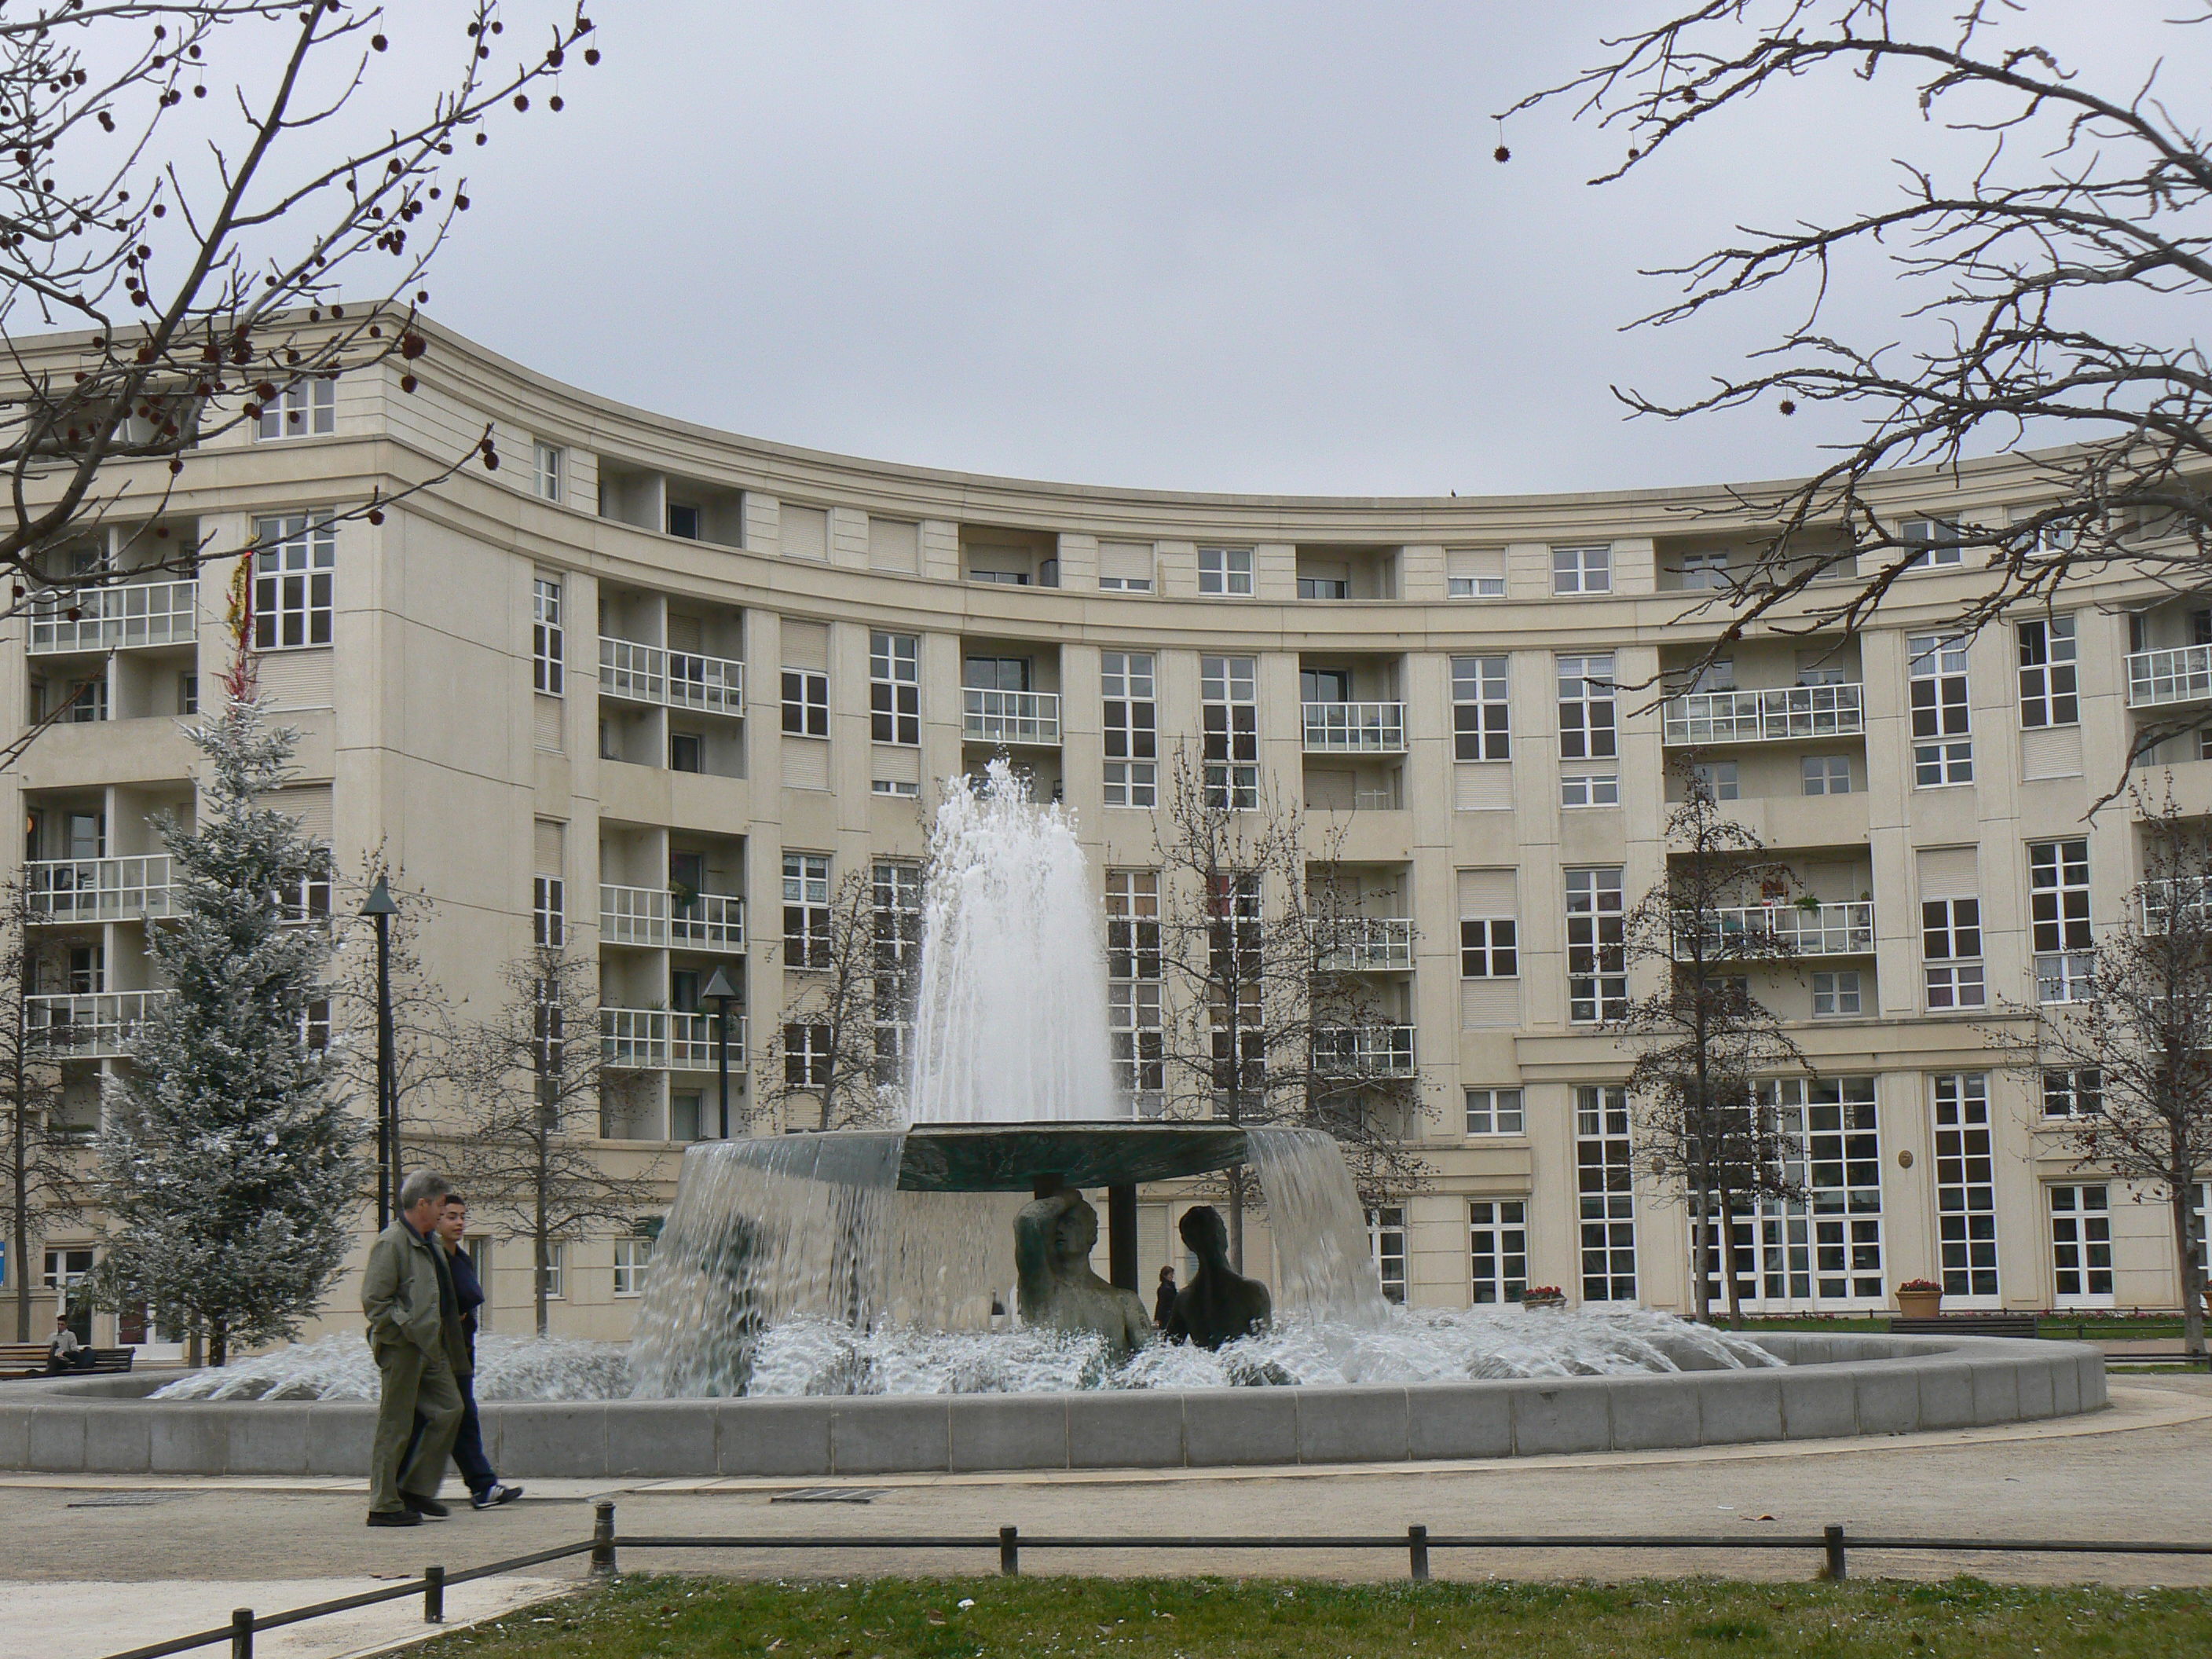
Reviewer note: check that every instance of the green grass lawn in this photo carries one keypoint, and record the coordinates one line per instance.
(1033, 1618)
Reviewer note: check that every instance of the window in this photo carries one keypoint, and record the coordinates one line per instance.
(2047, 692)
(1324, 685)
(1942, 752)
(1386, 1239)
(1324, 587)
(2081, 1243)
(1224, 570)
(904, 788)
(1605, 1195)
(895, 901)
(806, 1056)
(1951, 947)
(1481, 726)
(1002, 578)
(549, 462)
(895, 688)
(554, 1273)
(805, 704)
(1133, 976)
(806, 910)
(1232, 718)
(2058, 919)
(549, 912)
(188, 693)
(88, 970)
(1132, 734)
(1836, 994)
(1590, 789)
(1581, 570)
(1826, 774)
(1498, 1249)
(1488, 948)
(633, 1255)
(1940, 538)
(1475, 587)
(1966, 1185)
(1597, 961)
(1125, 584)
(685, 1111)
(687, 752)
(1704, 570)
(995, 673)
(548, 647)
(81, 702)
(2076, 1093)
(1719, 778)
(1586, 713)
(305, 409)
(292, 560)
(683, 520)
(1494, 1112)
(1826, 1245)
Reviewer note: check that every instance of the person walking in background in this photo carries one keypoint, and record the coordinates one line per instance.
(415, 1334)
(485, 1492)
(1163, 1299)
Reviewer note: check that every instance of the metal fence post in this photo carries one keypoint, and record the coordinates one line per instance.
(1010, 1551)
(434, 1596)
(242, 1633)
(1833, 1568)
(1417, 1548)
(603, 1537)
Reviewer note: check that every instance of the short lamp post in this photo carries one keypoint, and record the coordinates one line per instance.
(380, 909)
(721, 992)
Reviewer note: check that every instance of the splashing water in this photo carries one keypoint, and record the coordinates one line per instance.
(1324, 1272)
(340, 1367)
(1012, 1024)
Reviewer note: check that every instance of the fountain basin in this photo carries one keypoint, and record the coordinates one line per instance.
(1829, 1386)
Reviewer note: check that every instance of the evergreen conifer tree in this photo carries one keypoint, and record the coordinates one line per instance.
(228, 1168)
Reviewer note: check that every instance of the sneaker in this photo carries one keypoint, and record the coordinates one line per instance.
(394, 1518)
(492, 1497)
(429, 1508)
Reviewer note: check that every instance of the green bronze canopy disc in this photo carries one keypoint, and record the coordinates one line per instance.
(1008, 1158)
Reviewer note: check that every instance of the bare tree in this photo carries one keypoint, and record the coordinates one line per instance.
(1270, 1020)
(428, 1051)
(199, 227)
(1703, 1040)
(2126, 1074)
(840, 1050)
(46, 1186)
(539, 1091)
(2051, 287)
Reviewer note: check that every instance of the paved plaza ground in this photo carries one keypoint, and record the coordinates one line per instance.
(94, 1563)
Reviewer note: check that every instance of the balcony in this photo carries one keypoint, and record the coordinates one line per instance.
(656, 1040)
(1791, 930)
(672, 679)
(656, 918)
(1354, 728)
(98, 889)
(1780, 712)
(1368, 945)
(94, 1026)
(2157, 679)
(1364, 1051)
(1010, 717)
(2163, 896)
(122, 618)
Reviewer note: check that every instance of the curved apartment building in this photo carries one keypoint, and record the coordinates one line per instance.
(668, 685)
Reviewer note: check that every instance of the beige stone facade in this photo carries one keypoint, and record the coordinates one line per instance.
(1406, 659)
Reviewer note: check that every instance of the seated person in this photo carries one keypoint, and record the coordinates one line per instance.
(65, 1353)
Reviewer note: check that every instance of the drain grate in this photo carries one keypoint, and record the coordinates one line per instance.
(831, 1495)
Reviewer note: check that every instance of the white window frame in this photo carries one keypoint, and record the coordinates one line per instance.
(305, 408)
(549, 912)
(1723, 779)
(1489, 947)
(1835, 998)
(1224, 571)
(895, 689)
(1965, 1186)
(633, 1259)
(549, 649)
(555, 1270)
(2058, 920)
(1941, 712)
(1482, 713)
(1951, 953)
(1135, 976)
(1604, 1165)
(806, 702)
(295, 576)
(548, 463)
(1917, 531)
(806, 910)
(1497, 1251)
(1588, 720)
(1474, 587)
(1492, 1112)
(2073, 1092)
(1229, 711)
(2050, 680)
(1131, 736)
(1706, 572)
(1597, 951)
(1584, 569)
(1388, 1237)
(2080, 1216)
(1585, 789)
(1826, 773)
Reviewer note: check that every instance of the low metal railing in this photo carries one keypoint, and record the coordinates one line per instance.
(98, 889)
(1029, 717)
(675, 680)
(2180, 675)
(1764, 716)
(1354, 728)
(1833, 1545)
(1364, 1051)
(120, 618)
(1792, 930)
(655, 916)
(97, 1024)
(662, 1040)
(1368, 945)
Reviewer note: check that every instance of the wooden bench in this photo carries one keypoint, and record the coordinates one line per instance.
(1966, 1325)
(22, 1359)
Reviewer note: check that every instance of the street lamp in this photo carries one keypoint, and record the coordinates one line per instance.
(380, 909)
(721, 993)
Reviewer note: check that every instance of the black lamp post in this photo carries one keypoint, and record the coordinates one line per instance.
(721, 993)
(380, 909)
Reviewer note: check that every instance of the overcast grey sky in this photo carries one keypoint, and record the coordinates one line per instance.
(1240, 245)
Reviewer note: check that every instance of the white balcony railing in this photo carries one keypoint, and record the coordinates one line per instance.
(1793, 930)
(1354, 728)
(2158, 678)
(1374, 944)
(675, 680)
(116, 618)
(2162, 896)
(655, 916)
(1031, 717)
(656, 1040)
(1365, 1051)
(99, 889)
(91, 1026)
(1782, 711)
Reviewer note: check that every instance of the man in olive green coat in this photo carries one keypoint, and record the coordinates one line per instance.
(414, 1332)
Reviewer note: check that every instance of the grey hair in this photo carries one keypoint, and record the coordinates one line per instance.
(420, 1186)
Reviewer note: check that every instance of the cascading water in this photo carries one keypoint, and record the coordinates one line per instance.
(1324, 1272)
(1011, 1022)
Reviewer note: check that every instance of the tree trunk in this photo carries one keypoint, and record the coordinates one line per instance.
(2192, 1270)
(192, 1348)
(218, 1344)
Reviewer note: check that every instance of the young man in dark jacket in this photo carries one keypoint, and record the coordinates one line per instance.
(485, 1492)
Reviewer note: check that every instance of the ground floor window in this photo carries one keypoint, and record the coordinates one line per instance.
(68, 1267)
(1966, 1185)
(1826, 1247)
(1386, 1239)
(1498, 1246)
(2081, 1243)
(1605, 1195)
(556, 1271)
(632, 1257)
